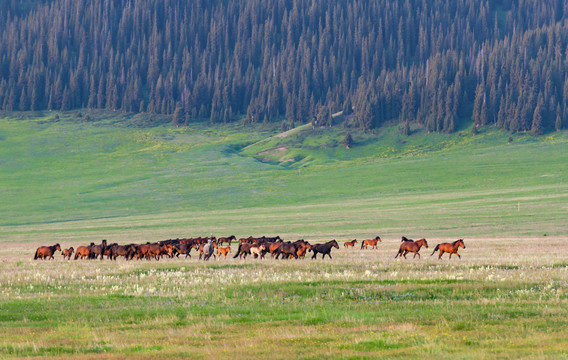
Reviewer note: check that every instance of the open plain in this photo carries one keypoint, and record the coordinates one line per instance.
(73, 182)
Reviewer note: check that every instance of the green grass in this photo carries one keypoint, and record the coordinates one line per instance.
(68, 177)
(135, 179)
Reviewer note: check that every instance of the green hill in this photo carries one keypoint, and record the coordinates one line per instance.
(106, 174)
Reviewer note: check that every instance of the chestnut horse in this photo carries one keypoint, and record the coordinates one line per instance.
(411, 246)
(223, 251)
(83, 251)
(350, 243)
(67, 253)
(46, 252)
(372, 243)
(449, 248)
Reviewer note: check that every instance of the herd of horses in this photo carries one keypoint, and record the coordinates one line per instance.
(257, 247)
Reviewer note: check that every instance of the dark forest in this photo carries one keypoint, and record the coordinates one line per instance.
(433, 62)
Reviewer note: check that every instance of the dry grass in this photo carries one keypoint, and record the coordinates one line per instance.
(506, 298)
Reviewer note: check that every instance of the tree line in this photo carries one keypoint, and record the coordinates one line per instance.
(435, 62)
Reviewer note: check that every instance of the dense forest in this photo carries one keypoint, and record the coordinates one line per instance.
(434, 62)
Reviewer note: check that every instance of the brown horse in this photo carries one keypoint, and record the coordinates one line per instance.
(227, 240)
(83, 251)
(411, 246)
(451, 248)
(223, 251)
(372, 243)
(98, 250)
(67, 253)
(46, 252)
(351, 243)
(301, 252)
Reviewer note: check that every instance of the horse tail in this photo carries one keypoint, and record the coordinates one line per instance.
(362, 242)
(36, 254)
(435, 249)
(238, 251)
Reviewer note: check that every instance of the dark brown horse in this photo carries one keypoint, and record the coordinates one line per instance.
(127, 251)
(372, 243)
(227, 240)
(324, 248)
(184, 249)
(243, 249)
(98, 250)
(351, 243)
(289, 250)
(411, 246)
(67, 253)
(46, 252)
(451, 248)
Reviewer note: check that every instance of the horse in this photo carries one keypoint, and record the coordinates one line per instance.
(411, 246)
(449, 248)
(405, 239)
(351, 243)
(83, 251)
(223, 251)
(273, 248)
(227, 240)
(127, 251)
(107, 250)
(244, 249)
(206, 250)
(97, 250)
(371, 242)
(257, 250)
(324, 248)
(301, 252)
(149, 251)
(67, 253)
(289, 249)
(184, 249)
(46, 252)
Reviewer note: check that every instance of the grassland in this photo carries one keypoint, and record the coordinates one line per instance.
(137, 179)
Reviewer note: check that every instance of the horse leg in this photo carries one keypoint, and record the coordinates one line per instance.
(440, 256)
(314, 256)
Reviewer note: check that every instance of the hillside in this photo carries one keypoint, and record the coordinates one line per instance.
(434, 62)
(64, 176)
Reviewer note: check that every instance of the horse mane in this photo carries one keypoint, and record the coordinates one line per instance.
(457, 241)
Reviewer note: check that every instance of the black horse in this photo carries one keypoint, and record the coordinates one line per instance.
(325, 248)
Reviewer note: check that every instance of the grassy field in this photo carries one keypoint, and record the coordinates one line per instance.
(136, 179)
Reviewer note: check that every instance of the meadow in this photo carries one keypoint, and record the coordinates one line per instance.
(136, 179)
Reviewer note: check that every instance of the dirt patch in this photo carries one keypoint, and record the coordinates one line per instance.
(273, 152)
